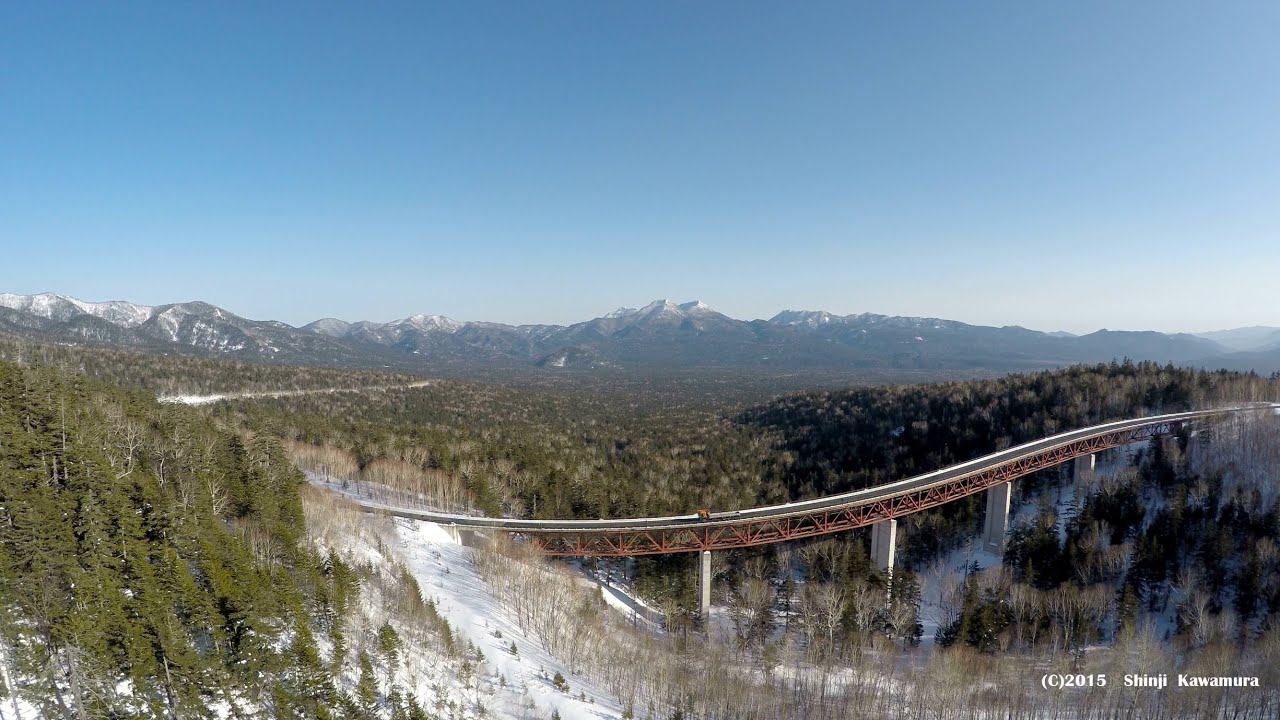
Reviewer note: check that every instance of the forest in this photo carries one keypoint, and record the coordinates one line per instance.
(543, 454)
(850, 439)
(154, 564)
(170, 375)
(163, 560)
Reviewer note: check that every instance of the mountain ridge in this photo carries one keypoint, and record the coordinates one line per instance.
(1246, 339)
(662, 334)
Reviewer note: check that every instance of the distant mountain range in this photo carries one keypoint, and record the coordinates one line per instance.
(660, 335)
(1248, 339)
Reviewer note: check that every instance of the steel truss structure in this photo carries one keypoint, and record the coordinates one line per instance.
(752, 531)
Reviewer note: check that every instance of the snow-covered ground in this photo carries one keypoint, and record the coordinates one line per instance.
(207, 399)
(15, 708)
(443, 569)
(945, 575)
(618, 594)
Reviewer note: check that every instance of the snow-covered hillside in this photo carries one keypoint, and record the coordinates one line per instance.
(524, 678)
(460, 663)
(62, 307)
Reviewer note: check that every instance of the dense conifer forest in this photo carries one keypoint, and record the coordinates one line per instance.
(129, 551)
(152, 564)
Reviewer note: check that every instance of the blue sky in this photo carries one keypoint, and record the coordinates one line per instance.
(1068, 166)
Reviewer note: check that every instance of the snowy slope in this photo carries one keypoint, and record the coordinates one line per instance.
(445, 573)
(62, 308)
(473, 674)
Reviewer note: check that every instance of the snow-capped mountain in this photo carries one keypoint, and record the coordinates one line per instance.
(807, 318)
(432, 322)
(819, 318)
(194, 327)
(332, 327)
(658, 311)
(62, 308)
(661, 334)
(409, 330)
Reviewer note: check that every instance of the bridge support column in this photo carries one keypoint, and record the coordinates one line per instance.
(1083, 464)
(704, 584)
(997, 523)
(884, 541)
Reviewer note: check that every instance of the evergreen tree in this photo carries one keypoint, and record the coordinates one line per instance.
(388, 647)
(366, 688)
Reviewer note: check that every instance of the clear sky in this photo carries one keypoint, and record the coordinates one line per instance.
(1071, 166)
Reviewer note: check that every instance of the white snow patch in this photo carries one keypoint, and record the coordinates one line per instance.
(13, 708)
(435, 534)
(429, 322)
(215, 397)
(170, 320)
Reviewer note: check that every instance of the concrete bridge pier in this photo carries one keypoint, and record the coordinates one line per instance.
(997, 522)
(884, 541)
(704, 584)
(469, 537)
(1083, 464)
